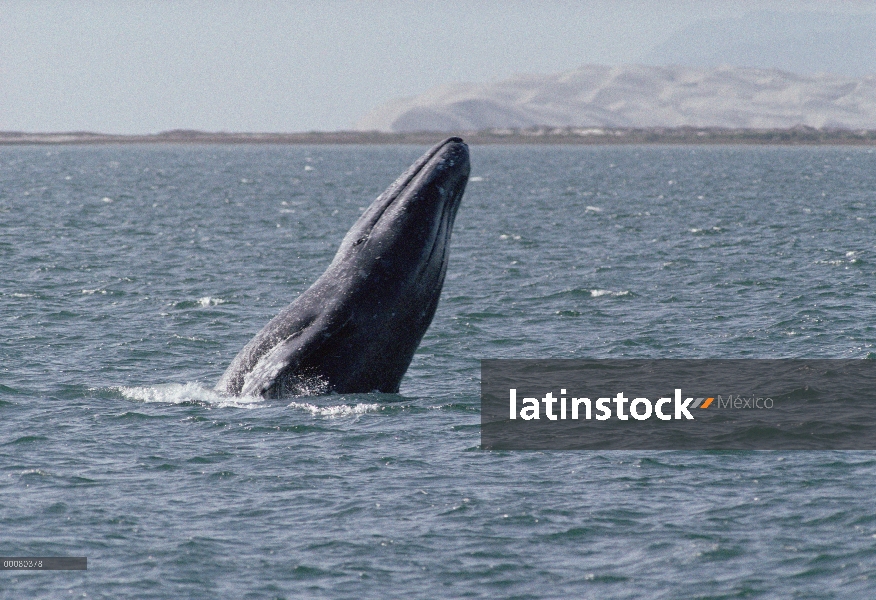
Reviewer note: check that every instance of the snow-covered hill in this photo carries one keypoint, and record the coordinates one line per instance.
(638, 96)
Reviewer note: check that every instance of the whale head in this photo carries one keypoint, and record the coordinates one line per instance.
(401, 240)
(357, 327)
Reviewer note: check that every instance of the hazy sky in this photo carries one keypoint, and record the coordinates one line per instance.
(144, 67)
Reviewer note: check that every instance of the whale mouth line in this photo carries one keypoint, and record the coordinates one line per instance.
(440, 239)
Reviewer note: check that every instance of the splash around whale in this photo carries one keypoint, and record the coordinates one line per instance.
(357, 327)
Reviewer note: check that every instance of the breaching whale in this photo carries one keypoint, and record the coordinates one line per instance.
(357, 327)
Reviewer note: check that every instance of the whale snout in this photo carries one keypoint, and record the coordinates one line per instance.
(453, 157)
(446, 171)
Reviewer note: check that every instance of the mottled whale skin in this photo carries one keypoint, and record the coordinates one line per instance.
(357, 327)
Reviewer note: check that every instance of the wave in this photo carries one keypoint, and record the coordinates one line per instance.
(187, 393)
(338, 410)
(195, 393)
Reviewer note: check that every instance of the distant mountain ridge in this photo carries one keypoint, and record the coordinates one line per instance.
(638, 96)
(797, 42)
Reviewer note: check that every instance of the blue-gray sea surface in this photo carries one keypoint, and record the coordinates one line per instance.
(131, 276)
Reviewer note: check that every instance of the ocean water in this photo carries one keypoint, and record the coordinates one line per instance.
(131, 276)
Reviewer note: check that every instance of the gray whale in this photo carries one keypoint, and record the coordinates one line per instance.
(357, 327)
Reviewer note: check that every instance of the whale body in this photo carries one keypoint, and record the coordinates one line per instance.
(357, 327)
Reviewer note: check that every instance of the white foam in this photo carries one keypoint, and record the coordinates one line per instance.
(340, 410)
(208, 301)
(593, 209)
(180, 393)
(598, 293)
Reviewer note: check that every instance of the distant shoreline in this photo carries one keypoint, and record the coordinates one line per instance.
(797, 136)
